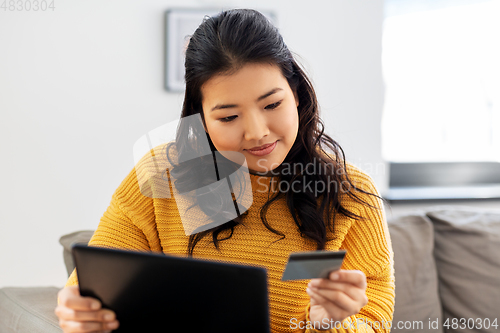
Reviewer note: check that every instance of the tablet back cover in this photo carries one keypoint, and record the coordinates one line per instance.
(157, 293)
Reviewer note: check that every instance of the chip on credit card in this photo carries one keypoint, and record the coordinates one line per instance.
(312, 265)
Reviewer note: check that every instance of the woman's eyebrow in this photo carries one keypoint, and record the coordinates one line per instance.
(223, 106)
(228, 106)
(275, 90)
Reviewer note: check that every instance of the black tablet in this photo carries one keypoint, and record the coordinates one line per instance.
(152, 292)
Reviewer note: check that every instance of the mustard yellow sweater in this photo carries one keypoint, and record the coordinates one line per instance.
(135, 221)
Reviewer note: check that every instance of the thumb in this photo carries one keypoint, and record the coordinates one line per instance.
(73, 290)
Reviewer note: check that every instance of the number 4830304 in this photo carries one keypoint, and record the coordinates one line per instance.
(27, 5)
(470, 323)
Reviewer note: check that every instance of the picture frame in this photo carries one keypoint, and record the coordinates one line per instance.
(180, 24)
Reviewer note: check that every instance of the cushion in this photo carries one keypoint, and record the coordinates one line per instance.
(417, 302)
(68, 240)
(467, 253)
(29, 310)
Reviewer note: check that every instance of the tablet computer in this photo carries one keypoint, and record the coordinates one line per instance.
(153, 292)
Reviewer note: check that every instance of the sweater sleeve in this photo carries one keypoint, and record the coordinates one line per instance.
(369, 250)
(119, 228)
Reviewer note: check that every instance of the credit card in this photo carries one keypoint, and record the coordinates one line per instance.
(312, 265)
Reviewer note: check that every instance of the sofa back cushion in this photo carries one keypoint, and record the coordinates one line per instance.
(417, 299)
(467, 253)
(68, 240)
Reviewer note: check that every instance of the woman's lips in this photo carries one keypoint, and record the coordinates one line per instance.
(260, 152)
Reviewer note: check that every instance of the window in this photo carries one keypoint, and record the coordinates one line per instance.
(441, 67)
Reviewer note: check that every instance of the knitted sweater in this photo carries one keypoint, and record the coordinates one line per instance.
(135, 221)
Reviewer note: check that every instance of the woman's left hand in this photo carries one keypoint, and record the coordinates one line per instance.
(334, 299)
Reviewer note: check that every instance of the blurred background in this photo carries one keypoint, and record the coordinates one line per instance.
(401, 83)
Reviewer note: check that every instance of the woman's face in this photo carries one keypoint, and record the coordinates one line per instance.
(249, 109)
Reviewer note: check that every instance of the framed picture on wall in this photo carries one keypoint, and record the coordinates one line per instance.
(180, 24)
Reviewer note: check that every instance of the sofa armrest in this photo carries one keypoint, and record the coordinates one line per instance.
(28, 310)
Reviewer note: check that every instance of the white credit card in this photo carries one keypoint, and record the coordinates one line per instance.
(312, 265)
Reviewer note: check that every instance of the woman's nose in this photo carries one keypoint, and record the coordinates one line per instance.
(255, 126)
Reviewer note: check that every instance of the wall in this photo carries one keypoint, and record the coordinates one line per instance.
(81, 83)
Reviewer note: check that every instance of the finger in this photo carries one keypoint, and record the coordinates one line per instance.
(75, 315)
(86, 326)
(352, 303)
(335, 312)
(339, 298)
(327, 284)
(355, 277)
(353, 292)
(70, 297)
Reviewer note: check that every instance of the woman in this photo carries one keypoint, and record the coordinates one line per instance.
(254, 99)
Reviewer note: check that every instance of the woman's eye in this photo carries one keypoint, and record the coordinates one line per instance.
(227, 119)
(273, 106)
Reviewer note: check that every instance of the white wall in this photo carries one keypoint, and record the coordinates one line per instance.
(78, 86)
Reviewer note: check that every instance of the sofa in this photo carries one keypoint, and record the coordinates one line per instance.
(447, 271)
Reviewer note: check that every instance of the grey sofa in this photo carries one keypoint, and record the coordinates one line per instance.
(447, 268)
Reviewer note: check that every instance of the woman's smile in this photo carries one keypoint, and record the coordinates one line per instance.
(262, 150)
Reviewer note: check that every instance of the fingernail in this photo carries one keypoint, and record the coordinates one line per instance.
(308, 290)
(334, 276)
(112, 325)
(313, 283)
(94, 305)
(108, 317)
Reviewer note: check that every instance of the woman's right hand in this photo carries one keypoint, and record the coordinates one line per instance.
(83, 314)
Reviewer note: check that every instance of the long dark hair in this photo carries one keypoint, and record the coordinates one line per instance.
(221, 45)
